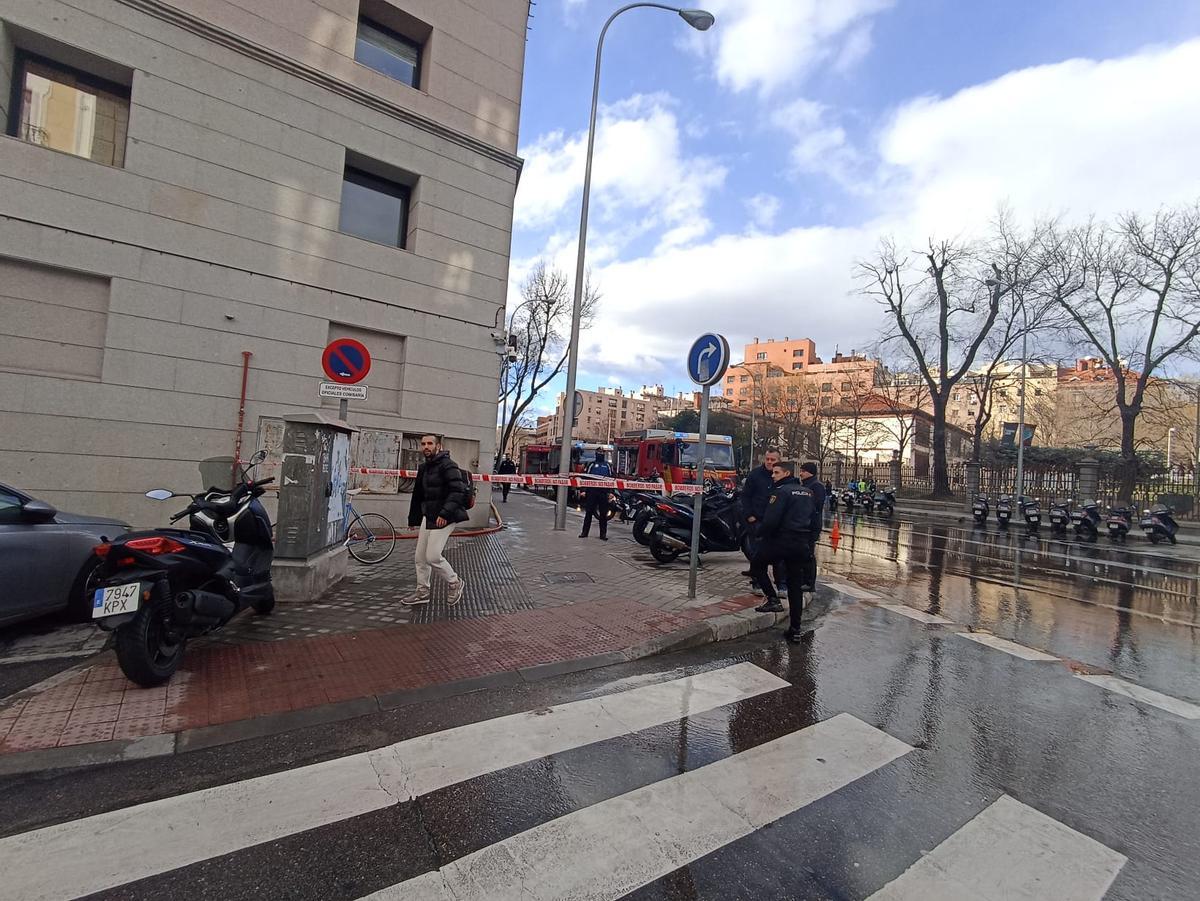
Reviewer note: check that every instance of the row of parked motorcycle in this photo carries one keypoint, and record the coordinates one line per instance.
(879, 500)
(1157, 523)
(664, 524)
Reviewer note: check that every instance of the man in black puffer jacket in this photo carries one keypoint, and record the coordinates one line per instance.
(439, 502)
(755, 492)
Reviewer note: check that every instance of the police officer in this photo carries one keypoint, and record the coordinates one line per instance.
(808, 478)
(783, 535)
(595, 500)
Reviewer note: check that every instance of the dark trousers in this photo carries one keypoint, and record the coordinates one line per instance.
(809, 573)
(795, 551)
(778, 567)
(505, 488)
(595, 503)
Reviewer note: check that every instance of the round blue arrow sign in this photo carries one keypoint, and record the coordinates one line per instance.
(708, 359)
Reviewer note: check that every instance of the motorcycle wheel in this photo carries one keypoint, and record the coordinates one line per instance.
(641, 527)
(661, 552)
(144, 651)
(1155, 537)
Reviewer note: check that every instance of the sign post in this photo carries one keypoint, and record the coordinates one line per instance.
(346, 362)
(707, 361)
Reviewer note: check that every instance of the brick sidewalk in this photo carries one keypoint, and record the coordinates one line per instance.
(534, 597)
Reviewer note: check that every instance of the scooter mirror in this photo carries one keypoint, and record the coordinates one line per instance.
(258, 457)
(160, 494)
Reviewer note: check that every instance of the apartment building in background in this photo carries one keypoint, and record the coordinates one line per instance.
(773, 371)
(608, 413)
(187, 182)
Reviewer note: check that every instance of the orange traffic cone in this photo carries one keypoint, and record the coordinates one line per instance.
(835, 535)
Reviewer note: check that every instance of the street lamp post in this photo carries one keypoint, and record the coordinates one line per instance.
(1170, 435)
(701, 21)
(508, 349)
(1021, 414)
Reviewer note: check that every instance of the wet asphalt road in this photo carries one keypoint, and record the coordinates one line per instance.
(982, 726)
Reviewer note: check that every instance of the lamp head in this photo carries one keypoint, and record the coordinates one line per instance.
(698, 18)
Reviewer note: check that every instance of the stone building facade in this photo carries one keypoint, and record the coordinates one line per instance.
(186, 182)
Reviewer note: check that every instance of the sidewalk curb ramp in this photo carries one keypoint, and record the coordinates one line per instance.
(721, 628)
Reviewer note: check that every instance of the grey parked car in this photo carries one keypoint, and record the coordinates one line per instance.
(46, 555)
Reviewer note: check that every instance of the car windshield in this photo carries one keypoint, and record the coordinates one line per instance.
(714, 454)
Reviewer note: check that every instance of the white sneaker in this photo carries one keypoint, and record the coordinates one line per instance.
(420, 596)
(454, 595)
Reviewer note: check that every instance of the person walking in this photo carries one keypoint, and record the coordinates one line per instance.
(755, 492)
(439, 502)
(808, 478)
(783, 536)
(595, 500)
(507, 468)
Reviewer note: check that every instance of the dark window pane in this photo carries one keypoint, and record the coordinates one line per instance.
(373, 208)
(387, 52)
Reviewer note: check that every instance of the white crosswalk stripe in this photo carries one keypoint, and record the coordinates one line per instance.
(609, 849)
(601, 851)
(1008, 647)
(1185, 709)
(1010, 852)
(110, 849)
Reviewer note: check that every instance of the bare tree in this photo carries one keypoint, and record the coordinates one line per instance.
(902, 391)
(541, 325)
(943, 312)
(1132, 294)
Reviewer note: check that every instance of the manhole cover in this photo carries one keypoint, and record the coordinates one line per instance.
(566, 578)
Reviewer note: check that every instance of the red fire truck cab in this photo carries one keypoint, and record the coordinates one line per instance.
(650, 453)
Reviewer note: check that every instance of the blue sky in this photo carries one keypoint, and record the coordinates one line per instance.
(741, 172)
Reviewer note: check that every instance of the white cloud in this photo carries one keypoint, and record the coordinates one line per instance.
(763, 209)
(821, 147)
(642, 179)
(767, 44)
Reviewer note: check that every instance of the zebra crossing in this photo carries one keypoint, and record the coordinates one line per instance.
(605, 849)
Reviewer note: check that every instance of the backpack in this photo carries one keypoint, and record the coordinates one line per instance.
(471, 490)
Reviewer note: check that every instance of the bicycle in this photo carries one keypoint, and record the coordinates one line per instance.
(370, 537)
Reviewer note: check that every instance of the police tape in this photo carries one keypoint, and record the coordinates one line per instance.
(546, 481)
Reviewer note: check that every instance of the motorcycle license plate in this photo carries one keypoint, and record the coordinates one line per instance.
(117, 599)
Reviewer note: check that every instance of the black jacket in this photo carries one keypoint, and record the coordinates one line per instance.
(440, 490)
(755, 491)
(507, 468)
(789, 510)
(813, 484)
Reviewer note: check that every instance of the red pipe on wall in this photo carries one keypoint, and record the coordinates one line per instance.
(241, 420)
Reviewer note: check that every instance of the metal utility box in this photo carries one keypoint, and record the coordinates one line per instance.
(313, 479)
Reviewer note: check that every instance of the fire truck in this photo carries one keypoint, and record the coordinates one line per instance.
(650, 453)
(543, 459)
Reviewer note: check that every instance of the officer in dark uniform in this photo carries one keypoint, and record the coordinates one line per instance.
(784, 536)
(595, 500)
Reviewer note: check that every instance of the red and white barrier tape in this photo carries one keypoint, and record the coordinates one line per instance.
(569, 481)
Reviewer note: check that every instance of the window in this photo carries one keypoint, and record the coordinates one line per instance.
(826, 386)
(63, 109)
(742, 391)
(10, 507)
(731, 379)
(744, 378)
(729, 392)
(796, 366)
(374, 208)
(760, 356)
(847, 386)
(386, 51)
(826, 401)
(798, 353)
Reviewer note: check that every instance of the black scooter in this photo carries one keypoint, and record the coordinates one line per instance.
(1120, 521)
(885, 501)
(1087, 521)
(721, 526)
(980, 509)
(1158, 523)
(1004, 511)
(1060, 517)
(1031, 510)
(157, 589)
(849, 499)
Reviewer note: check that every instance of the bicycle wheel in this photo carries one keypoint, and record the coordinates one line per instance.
(370, 538)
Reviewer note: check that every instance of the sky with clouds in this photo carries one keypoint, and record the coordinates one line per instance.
(740, 172)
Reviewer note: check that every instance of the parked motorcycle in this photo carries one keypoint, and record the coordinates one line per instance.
(1004, 511)
(885, 501)
(157, 589)
(1060, 517)
(1119, 522)
(980, 509)
(1159, 523)
(849, 499)
(867, 499)
(1087, 520)
(833, 501)
(1031, 510)
(721, 526)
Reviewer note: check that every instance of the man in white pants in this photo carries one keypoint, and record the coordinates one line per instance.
(439, 501)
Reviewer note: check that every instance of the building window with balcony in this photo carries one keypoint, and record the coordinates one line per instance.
(760, 356)
(389, 52)
(374, 208)
(64, 109)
